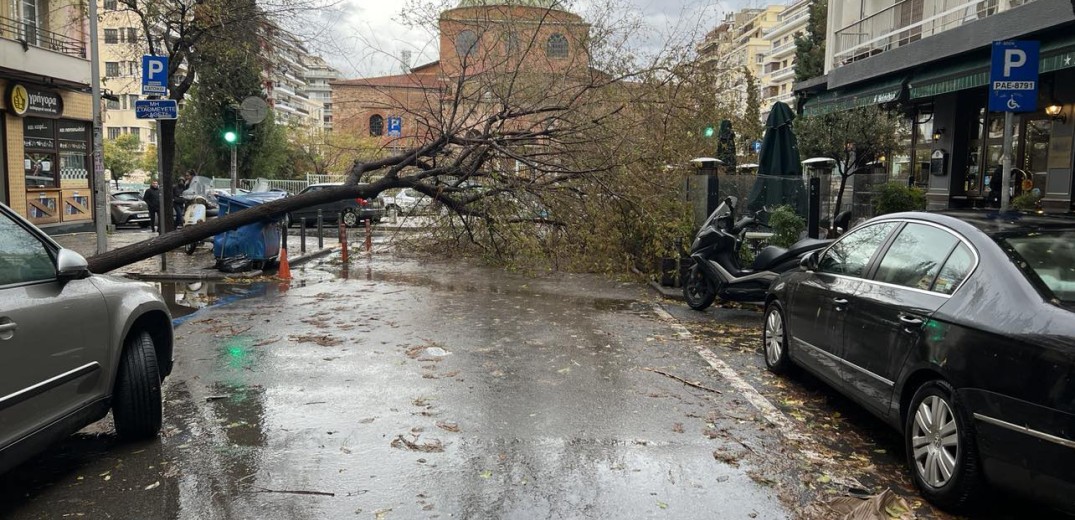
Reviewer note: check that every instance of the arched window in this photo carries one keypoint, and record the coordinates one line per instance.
(511, 43)
(376, 125)
(556, 47)
(466, 43)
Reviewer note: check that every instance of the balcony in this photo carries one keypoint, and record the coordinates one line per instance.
(909, 21)
(781, 50)
(30, 48)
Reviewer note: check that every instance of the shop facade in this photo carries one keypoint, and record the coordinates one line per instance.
(46, 154)
(951, 144)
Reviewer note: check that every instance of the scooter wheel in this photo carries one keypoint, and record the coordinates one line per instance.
(697, 291)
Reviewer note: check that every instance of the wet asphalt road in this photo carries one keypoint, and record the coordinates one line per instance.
(401, 390)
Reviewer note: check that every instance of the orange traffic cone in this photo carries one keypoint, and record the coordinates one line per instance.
(284, 272)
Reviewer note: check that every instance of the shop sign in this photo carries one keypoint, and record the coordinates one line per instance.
(31, 101)
(73, 146)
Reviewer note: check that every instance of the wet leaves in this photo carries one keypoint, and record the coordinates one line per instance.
(726, 457)
(324, 340)
(448, 426)
(432, 446)
(677, 427)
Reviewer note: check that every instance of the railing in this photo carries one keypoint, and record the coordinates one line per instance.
(33, 35)
(905, 22)
(782, 48)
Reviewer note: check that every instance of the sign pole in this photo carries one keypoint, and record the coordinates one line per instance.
(100, 185)
(234, 173)
(1006, 163)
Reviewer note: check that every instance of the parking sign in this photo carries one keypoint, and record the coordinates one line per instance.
(154, 75)
(395, 126)
(1013, 76)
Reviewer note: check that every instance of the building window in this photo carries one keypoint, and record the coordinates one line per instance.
(112, 104)
(114, 132)
(111, 36)
(137, 133)
(152, 136)
(110, 5)
(132, 35)
(131, 99)
(376, 125)
(111, 69)
(556, 47)
(29, 21)
(465, 43)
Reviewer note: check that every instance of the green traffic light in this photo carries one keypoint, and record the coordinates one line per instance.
(709, 131)
(230, 137)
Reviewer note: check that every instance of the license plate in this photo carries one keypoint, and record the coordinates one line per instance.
(142, 215)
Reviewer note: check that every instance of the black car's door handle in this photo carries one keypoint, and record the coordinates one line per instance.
(7, 329)
(911, 321)
(840, 301)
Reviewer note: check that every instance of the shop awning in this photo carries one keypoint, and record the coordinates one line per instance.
(1055, 55)
(846, 99)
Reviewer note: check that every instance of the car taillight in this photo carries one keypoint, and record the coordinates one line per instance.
(362, 202)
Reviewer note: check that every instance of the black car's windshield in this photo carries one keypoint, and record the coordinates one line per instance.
(1048, 257)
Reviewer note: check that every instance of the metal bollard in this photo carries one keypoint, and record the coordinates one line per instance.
(369, 238)
(283, 238)
(343, 242)
(302, 235)
(320, 231)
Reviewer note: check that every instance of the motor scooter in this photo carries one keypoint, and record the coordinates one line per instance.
(195, 214)
(716, 270)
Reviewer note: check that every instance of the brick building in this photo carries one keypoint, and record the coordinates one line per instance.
(480, 41)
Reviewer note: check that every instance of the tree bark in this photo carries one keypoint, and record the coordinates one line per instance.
(839, 201)
(166, 149)
(271, 211)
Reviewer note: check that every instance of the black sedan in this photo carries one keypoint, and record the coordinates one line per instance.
(352, 211)
(958, 329)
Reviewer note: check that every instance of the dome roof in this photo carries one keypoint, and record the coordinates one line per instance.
(545, 4)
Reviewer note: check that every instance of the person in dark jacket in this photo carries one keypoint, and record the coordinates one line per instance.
(178, 202)
(996, 182)
(152, 196)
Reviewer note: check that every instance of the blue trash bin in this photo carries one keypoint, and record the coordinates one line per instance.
(258, 241)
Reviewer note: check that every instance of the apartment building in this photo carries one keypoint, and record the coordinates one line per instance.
(739, 44)
(284, 79)
(122, 43)
(778, 67)
(46, 113)
(930, 60)
(319, 75)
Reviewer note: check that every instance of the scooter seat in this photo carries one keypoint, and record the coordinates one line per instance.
(772, 256)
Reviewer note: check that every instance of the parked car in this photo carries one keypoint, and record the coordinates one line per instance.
(353, 211)
(127, 207)
(73, 345)
(407, 201)
(958, 329)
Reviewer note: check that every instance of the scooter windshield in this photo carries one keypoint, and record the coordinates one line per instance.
(725, 209)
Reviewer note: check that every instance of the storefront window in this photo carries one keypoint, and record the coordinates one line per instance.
(901, 159)
(39, 144)
(923, 147)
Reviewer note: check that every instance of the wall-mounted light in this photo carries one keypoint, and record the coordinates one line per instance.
(1056, 112)
(937, 133)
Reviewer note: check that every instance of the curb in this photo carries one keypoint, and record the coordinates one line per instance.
(168, 277)
(301, 259)
(670, 293)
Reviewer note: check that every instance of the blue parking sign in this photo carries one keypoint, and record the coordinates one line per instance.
(395, 126)
(154, 75)
(1013, 76)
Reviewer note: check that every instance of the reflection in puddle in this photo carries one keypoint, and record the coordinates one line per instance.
(184, 298)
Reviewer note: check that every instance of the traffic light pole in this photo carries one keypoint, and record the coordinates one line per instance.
(234, 173)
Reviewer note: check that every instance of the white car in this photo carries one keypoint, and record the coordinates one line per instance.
(407, 202)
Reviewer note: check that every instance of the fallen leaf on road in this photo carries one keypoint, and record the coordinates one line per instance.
(662, 505)
(728, 458)
(153, 485)
(448, 426)
(485, 474)
(381, 514)
(563, 370)
(427, 447)
(677, 427)
(324, 340)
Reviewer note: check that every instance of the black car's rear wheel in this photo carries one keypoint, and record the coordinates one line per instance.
(697, 291)
(350, 218)
(136, 402)
(941, 449)
(774, 338)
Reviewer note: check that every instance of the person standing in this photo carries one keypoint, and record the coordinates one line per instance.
(152, 196)
(178, 203)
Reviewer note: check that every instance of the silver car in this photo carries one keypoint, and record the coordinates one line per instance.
(73, 346)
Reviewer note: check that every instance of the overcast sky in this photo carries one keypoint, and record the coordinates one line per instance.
(365, 38)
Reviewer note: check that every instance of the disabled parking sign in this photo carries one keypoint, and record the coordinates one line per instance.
(1013, 76)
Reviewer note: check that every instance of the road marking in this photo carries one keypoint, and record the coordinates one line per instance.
(768, 410)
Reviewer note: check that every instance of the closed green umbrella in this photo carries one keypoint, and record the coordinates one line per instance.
(780, 173)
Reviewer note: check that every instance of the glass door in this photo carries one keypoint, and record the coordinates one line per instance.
(1033, 156)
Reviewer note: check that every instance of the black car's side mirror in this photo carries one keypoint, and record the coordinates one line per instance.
(810, 261)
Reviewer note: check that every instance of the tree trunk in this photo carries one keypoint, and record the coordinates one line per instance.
(839, 201)
(274, 210)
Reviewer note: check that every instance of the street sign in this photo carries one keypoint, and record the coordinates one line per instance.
(756, 146)
(395, 126)
(1013, 76)
(154, 75)
(156, 109)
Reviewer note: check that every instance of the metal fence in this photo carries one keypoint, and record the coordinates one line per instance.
(260, 184)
